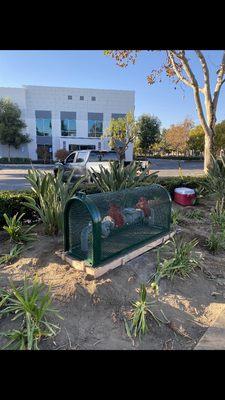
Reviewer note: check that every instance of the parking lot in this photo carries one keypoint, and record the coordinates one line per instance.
(12, 177)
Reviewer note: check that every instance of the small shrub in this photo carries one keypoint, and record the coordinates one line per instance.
(182, 263)
(61, 154)
(215, 241)
(31, 305)
(140, 310)
(14, 253)
(195, 215)
(17, 231)
(176, 216)
(218, 219)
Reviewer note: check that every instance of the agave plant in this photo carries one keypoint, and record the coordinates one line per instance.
(215, 183)
(52, 194)
(16, 230)
(120, 177)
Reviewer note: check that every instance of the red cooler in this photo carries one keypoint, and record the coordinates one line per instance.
(184, 196)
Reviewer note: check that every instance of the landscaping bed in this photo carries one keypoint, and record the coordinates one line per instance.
(94, 310)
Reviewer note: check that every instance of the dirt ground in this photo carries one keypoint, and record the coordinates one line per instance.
(94, 310)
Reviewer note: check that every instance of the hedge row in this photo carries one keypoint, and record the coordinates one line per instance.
(11, 203)
(186, 158)
(18, 160)
(170, 183)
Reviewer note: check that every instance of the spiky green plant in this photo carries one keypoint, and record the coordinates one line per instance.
(176, 216)
(13, 254)
(16, 230)
(52, 194)
(140, 310)
(182, 263)
(218, 219)
(119, 177)
(215, 241)
(31, 305)
(215, 183)
(195, 215)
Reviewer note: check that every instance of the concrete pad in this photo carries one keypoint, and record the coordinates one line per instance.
(214, 337)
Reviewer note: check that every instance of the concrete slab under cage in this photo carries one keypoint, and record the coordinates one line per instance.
(117, 262)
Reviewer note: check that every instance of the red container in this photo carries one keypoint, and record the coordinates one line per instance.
(184, 196)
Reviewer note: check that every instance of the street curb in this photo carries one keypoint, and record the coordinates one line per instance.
(214, 337)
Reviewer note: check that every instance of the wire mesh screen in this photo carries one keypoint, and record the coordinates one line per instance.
(130, 217)
(80, 231)
(125, 219)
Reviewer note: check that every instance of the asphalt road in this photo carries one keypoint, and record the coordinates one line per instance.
(13, 177)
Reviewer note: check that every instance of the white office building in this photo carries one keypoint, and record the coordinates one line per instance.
(69, 118)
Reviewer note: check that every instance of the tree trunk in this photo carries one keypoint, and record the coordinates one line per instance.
(122, 157)
(9, 158)
(209, 149)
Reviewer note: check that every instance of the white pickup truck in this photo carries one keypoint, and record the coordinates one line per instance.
(82, 161)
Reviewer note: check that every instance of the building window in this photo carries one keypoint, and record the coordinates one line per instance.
(68, 127)
(95, 124)
(70, 97)
(117, 116)
(95, 128)
(74, 147)
(81, 97)
(43, 127)
(93, 98)
(68, 123)
(43, 123)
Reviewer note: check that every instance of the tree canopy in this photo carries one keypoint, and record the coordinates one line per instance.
(148, 132)
(177, 135)
(121, 132)
(220, 136)
(196, 139)
(11, 125)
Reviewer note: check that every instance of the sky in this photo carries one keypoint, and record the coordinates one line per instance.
(92, 69)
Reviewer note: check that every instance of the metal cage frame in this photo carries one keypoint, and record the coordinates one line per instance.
(95, 216)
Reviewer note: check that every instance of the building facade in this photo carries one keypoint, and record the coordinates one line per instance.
(68, 118)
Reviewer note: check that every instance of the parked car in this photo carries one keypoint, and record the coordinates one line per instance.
(82, 161)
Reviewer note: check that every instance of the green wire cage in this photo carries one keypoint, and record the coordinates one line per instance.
(99, 227)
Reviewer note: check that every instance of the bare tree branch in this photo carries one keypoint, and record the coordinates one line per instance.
(207, 91)
(219, 82)
(206, 74)
(171, 54)
(196, 90)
